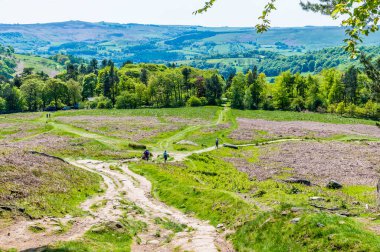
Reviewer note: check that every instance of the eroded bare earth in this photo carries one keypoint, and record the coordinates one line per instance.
(250, 129)
(349, 163)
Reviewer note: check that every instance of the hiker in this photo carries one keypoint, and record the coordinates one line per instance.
(217, 143)
(166, 155)
(146, 155)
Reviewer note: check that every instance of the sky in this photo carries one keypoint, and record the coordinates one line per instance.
(234, 13)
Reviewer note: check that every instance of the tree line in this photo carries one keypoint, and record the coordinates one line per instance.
(354, 92)
(104, 85)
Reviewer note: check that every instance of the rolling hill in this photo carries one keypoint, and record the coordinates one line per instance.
(225, 48)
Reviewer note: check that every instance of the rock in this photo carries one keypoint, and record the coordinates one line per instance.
(298, 181)
(118, 225)
(296, 209)
(320, 225)
(332, 184)
(284, 213)
(97, 230)
(153, 242)
(231, 146)
(317, 198)
(220, 226)
(295, 220)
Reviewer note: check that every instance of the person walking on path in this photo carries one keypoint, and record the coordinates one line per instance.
(146, 155)
(217, 143)
(166, 155)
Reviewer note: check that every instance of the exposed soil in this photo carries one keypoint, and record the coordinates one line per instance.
(201, 236)
(348, 163)
(250, 129)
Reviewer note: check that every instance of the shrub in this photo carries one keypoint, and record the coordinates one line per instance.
(297, 104)
(126, 101)
(103, 103)
(372, 109)
(137, 146)
(340, 108)
(194, 102)
(2, 105)
(203, 101)
(60, 104)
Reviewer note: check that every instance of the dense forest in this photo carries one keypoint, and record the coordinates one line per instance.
(93, 84)
(273, 63)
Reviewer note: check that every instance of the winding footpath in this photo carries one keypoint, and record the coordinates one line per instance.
(120, 185)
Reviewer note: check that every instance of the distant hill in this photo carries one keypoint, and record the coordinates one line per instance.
(162, 43)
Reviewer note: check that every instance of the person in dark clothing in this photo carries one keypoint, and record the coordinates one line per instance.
(166, 155)
(146, 155)
(217, 143)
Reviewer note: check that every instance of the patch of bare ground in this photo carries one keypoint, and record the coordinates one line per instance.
(121, 186)
(134, 128)
(348, 163)
(253, 128)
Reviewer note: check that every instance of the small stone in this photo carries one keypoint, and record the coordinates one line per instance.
(220, 226)
(320, 225)
(153, 242)
(316, 198)
(284, 213)
(296, 209)
(332, 184)
(295, 220)
(118, 225)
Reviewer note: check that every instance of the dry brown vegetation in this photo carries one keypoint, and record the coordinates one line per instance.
(136, 128)
(256, 128)
(349, 163)
(36, 183)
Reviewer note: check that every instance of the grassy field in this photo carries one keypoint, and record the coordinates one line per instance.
(39, 64)
(243, 189)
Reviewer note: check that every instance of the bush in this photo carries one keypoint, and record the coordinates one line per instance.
(194, 102)
(340, 108)
(103, 103)
(126, 101)
(372, 110)
(60, 104)
(2, 105)
(137, 146)
(297, 104)
(203, 101)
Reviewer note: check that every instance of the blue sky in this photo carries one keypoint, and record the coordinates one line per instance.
(225, 12)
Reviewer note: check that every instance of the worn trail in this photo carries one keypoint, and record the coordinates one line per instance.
(125, 185)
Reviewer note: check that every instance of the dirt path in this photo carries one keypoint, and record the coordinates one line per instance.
(125, 185)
